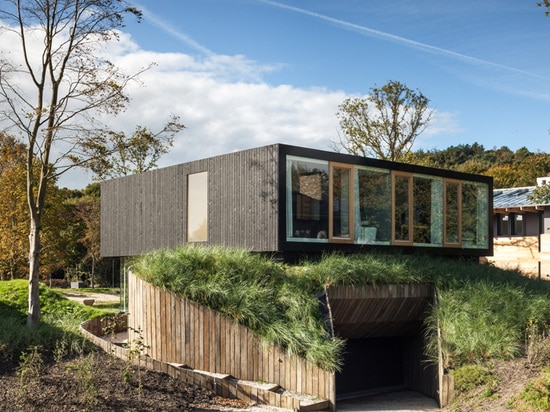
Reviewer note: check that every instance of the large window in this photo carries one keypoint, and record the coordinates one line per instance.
(452, 228)
(428, 210)
(372, 205)
(307, 199)
(341, 205)
(475, 201)
(345, 203)
(402, 208)
(197, 207)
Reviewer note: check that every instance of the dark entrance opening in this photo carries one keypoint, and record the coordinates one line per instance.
(384, 331)
(371, 364)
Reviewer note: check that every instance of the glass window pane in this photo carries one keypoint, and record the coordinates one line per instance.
(197, 207)
(452, 212)
(372, 205)
(401, 208)
(341, 192)
(475, 220)
(307, 199)
(503, 225)
(518, 225)
(428, 210)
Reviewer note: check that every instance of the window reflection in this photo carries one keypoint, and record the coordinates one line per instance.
(373, 196)
(341, 203)
(428, 210)
(337, 202)
(307, 194)
(452, 212)
(474, 215)
(402, 208)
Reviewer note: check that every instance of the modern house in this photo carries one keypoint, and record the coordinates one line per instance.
(521, 231)
(293, 202)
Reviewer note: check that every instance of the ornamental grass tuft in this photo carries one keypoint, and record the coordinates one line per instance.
(481, 311)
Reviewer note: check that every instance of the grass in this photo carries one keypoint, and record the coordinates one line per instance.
(58, 333)
(483, 311)
(252, 289)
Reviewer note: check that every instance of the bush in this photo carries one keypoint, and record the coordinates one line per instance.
(536, 395)
(470, 377)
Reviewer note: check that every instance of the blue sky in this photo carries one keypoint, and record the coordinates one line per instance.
(484, 65)
(245, 73)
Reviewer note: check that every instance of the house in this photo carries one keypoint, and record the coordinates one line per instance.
(293, 202)
(521, 231)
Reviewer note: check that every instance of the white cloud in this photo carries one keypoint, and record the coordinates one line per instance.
(223, 103)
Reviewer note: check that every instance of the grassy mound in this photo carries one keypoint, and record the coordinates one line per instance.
(483, 312)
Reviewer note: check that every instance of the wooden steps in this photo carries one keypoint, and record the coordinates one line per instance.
(261, 393)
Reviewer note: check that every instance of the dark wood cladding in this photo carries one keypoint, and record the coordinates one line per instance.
(144, 212)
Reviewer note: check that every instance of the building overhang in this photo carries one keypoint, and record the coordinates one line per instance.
(359, 312)
(518, 209)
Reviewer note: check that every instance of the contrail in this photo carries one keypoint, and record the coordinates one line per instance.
(398, 39)
(159, 22)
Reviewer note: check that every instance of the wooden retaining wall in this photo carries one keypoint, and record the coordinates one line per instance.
(220, 385)
(179, 331)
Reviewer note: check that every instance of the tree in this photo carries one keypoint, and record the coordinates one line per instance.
(88, 212)
(65, 84)
(13, 214)
(546, 4)
(14, 217)
(385, 124)
(136, 154)
(540, 195)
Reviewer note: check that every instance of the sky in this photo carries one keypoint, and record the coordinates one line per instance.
(248, 73)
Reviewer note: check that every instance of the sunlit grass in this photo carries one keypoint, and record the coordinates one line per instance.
(482, 311)
(59, 326)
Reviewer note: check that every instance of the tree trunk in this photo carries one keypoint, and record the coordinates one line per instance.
(93, 271)
(33, 317)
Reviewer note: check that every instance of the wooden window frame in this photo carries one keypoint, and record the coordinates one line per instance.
(351, 204)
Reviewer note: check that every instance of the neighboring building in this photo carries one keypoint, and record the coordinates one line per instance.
(522, 231)
(294, 201)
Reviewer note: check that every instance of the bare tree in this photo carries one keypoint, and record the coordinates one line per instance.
(53, 95)
(385, 124)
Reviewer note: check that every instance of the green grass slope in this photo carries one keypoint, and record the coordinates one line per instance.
(58, 330)
(483, 312)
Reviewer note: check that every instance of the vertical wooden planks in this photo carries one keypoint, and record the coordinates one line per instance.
(181, 331)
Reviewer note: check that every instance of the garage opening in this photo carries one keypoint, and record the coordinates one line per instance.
(383, 328)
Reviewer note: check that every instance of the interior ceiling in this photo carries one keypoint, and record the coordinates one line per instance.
(378, 311)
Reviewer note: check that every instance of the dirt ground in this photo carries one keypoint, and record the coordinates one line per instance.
(513, 377)
(101, 382)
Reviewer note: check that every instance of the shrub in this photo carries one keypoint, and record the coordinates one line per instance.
(536, 395)
(470, 377)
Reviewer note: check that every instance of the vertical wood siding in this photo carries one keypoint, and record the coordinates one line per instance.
(148, 211)
(183, 332)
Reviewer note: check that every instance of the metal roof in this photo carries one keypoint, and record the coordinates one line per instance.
(514, 198)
